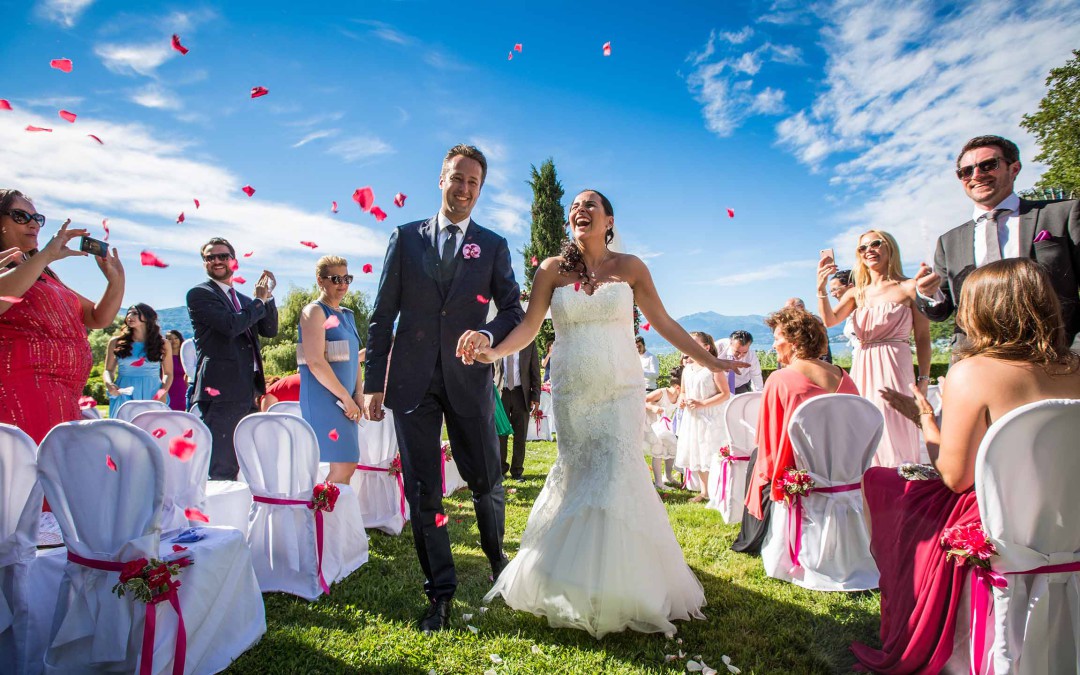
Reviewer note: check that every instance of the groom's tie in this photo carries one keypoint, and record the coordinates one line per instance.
(993, 240)
(446, 262)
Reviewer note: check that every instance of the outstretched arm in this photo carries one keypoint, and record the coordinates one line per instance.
(831, 316)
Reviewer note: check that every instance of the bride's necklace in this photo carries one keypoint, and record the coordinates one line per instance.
(592, 272)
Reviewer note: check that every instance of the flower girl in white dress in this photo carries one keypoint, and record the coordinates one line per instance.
(701, 431)
(660, 441)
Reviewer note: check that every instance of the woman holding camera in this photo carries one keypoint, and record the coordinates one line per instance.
(44, 354)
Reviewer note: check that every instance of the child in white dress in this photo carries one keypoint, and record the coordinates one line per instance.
(701, 431)
(660, 441)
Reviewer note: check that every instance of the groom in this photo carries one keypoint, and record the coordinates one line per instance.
(439, 278)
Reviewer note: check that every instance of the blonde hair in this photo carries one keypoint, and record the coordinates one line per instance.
(860, 274)
(328, 261)
(710, 344)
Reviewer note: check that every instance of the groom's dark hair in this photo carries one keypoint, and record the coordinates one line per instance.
(470, 151)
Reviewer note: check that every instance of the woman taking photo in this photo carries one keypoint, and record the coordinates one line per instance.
(138, 359)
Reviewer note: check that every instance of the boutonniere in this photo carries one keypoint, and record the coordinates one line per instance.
(1043, 236)
(470, 251)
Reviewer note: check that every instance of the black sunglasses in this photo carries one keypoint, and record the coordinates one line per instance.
(874, 244)
(22, 217)
(211, 257)
(985, 166)
(338, 278)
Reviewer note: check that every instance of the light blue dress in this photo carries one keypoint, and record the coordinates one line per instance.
(318, 405)
(146, 378)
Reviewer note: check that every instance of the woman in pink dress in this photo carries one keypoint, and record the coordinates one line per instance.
(44, 354)
(1018, 354)
(882, 304)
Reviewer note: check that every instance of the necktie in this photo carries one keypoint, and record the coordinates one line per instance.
(235, 300)
(446, 262)
(990, 231)
(731, 382)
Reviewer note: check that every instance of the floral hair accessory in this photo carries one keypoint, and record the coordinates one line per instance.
(470, 251)
(324, 496)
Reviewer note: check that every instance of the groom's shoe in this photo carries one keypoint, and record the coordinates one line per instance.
(437, 616)
(497, 567)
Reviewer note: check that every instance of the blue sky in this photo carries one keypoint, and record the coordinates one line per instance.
(812, 124)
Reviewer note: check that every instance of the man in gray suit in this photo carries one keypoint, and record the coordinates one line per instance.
(1002, 226)
(517, 379)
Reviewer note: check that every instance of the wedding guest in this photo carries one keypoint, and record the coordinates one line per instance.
(799, 339)
(136, 359)
(546, 363)
(650, 365)
(280, 389)
(45, 357)
(701, 431)
(660, 440)
(517, 383)
(882, 305)
(331, 382)
(840, 282)
(737, 348)
(178, 387)
(797, 303)
(1017, 353)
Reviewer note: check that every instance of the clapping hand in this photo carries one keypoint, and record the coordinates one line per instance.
(911, 407)
(265, 285)
(12, 255)
(927, 281)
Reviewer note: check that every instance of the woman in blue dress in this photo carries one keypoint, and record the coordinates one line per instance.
(139, 358)
(331, 388)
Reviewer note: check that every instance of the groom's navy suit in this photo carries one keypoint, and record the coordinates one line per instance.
(423, 381)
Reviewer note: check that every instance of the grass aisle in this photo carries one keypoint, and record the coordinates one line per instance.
(367, 623)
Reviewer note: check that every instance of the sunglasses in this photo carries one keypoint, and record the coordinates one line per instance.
(211, 257)
(339, 278)
(985, 166)
(874, 244)
(22, 217)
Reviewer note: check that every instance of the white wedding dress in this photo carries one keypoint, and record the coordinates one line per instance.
(598, 552)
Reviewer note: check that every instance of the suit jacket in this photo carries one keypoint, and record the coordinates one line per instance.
(429, 324)
(226, 343)
(529, 373)
(1060, 255)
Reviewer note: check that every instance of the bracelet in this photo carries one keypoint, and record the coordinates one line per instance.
(823, 296)
(922, 377)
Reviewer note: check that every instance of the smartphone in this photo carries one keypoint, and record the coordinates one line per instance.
(826, 253)
(94, 247)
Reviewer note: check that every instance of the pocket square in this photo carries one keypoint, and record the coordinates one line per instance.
(1042, 236)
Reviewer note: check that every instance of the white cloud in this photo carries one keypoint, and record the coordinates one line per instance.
(359, 148)
(767, 273)
(500, 207)
(64, 12)
(739, 37)
(134, 59)
(314, 136)
(155, 96)
(769, 101)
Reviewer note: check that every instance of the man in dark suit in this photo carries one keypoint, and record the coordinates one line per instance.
(228, 366)
(1002, 226)
(517, 379)
(439, 278)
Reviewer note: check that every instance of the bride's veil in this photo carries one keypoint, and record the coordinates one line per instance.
(616, 244)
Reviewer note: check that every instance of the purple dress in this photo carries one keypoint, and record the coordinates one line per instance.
(178, 388)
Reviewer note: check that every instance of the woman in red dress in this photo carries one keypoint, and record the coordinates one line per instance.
(44, 354)
(1017, 354)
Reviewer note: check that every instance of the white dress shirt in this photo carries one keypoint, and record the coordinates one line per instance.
(751, 374)
(442, 235)
(650, 365)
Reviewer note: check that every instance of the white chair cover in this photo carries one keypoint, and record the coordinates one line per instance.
(29, 584)
(91, 413)
(1026, 473)
(114, 515)
(379, 493)
(228, 504)
(547, 422)
(279, 457)
(286, 408)
(727, 489)
(185, 482)
(187, 357)
(452, 480)
(129, 410)
(834, 438)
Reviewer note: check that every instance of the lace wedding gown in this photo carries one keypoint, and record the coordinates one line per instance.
(598, 552)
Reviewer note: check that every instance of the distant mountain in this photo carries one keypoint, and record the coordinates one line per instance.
(175, 318)
(721, 326)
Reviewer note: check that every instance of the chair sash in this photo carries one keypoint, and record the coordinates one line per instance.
(400, 482)
(276, 501)
(725, 460)
(795, 518)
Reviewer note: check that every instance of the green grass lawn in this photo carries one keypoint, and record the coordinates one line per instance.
(367, 624)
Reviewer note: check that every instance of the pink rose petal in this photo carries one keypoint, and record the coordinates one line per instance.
(110, 463)
(10, 299)
(96, 138)
(69, 116)
(333, 435)
(256, 92)
(181, 448)
(534, 261)
(180, 218)
(364, 198)
(192, 513)
(4, 104)
(577, 286)
(379, 214)
(189, 433)
(440, 520)
(248, 190)
(212, 391)
(645, 326)
(333, 207)
(177, 46)
(31, 127)
(150, 260)
(249, 254)
(607, 49)
(399, 200)
(517, 47)
(331, 322)
(61, 64)
(87, 402)
(138, 363)
(177, 548)
(158, 433)
(731, 213)
(234, 264)
(105, 224)
(367, 268)
(237, 279)
(310, 244)
(482, 300)
(509, 56)
(197, 204)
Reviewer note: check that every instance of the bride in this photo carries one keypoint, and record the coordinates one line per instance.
(598, 552)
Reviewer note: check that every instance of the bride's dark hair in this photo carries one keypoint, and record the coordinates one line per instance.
(572, 260)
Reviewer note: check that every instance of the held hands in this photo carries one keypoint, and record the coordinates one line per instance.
(57, 248)
(927, 281)
(265, 285)
(474, 346)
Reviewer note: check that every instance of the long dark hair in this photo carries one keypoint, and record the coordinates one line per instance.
(155, 344)
(573, 262)
(7, 198)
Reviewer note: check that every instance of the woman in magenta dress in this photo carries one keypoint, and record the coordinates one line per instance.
(44, 354)
(1017, 355)
(178, 386)
(882, 306)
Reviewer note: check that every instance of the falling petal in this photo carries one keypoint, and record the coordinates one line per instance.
(138, 363)
(180, 218)
(110, 463)
(5, 104)
(105, 224)
(333, 207)
(87, 402)
(237, 279)
(364, 198)
(367, 268)
(212, 391)
(151, 260)
(181, 448)
(482, 300)
(69, 116)
(248, 190)
(379, 214)
(607, 49)
(196, 203)
(96, 139)
(177, 548)
(577, 286)
(509, 56)
(61, 64)
(158, 433)
(189, 433)
(177, 46)
(256, 92)
(534, 261)
(249, 254)
(399, 200)
(331, 322)
(646, 326)
(234, 264)
(10, 299)
(31, 127)
(496, 659)
(472, 629)
(310, 244)
(517, 47)
(333, 435)
(192, 513)
(731, 213)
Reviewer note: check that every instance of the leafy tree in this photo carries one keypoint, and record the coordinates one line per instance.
(1056, 126)
(942, 330)
(279, 353)
(548, 231)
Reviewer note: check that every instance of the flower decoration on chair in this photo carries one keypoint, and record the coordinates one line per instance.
(725, 451)
(470, 251)
(968, 545)
(525, 295)
(449, 457)
(395, 466)
(538, 417)
(151, 581)
(324, 496)
(795, 483)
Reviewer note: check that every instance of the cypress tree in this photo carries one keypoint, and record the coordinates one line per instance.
(548, 231)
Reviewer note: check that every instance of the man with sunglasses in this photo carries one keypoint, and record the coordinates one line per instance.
(1002, 226)
(228, 365)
